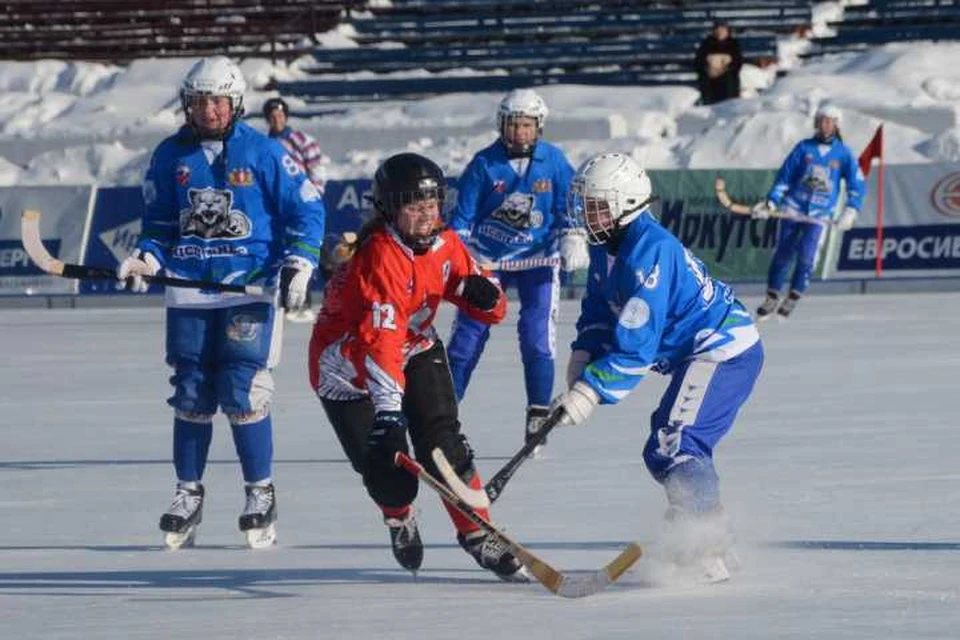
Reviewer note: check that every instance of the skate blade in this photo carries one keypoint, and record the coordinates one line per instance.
(261, 538)
(175, 541)
(765, 318)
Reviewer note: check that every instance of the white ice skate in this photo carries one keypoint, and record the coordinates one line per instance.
(767, 308)
(259, 517)
(179, 522)
(698, 546)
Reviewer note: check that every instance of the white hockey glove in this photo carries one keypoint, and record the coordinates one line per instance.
(574, 254)
(576, 404)
(294, 281)
(846, 219)
(763, 210)
(131, 272)
(579, 360)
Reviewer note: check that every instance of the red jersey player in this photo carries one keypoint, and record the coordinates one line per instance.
(378, 366)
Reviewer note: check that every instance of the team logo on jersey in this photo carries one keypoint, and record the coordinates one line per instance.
(240, 178)
(817, 179)
(243, 328)
(517, 211)
(543, 186)
(182, 175)
(210, 216)
(499, 186)
(945, 196)
(834, 164)
(635, 313)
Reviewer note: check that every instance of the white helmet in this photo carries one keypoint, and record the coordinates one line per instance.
(525, 103)
(828, 110)
(214, 76)
(608, 192)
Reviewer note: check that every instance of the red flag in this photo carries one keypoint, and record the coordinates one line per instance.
(871, 151)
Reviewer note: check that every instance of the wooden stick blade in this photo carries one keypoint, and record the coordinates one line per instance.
(476, 498)
(33, 244)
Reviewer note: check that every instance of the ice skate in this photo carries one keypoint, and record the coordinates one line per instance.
(699, 545)
(536, 416)
(787, 306)
(258, 520)
(768, 306)
(493, 555)
(301, 316)
(406, 542)
(181, 519)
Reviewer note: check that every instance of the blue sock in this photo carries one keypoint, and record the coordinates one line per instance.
(693, 485)
(191, 444)
(538, 376)
(254, 443)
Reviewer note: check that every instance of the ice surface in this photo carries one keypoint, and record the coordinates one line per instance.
(840, 478)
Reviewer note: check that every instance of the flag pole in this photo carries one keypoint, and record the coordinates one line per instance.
(879, 265)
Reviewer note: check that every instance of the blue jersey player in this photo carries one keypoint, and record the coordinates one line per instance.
(511, 206)
(225, 203)
(651, 306)
(808, 183)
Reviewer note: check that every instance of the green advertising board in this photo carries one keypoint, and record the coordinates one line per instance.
(733, 247)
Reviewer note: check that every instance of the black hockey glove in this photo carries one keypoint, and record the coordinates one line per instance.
(480, 292)
(386, 438)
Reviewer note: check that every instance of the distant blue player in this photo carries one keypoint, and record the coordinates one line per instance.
(651, 306)
(224, 203)
(511, 206)
(808, 183)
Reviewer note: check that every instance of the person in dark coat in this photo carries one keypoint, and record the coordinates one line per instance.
(718, 65)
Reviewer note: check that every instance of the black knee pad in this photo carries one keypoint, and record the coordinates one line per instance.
(388, 484)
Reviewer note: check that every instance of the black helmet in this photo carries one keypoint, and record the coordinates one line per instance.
(403, 179)
(275, 103)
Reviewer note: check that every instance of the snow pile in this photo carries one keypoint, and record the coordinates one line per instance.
(65, 122)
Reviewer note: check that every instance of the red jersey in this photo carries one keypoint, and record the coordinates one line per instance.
(378, 313)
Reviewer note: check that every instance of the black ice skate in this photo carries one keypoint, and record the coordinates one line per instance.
(491, 554)
(788, 305)
(182, 517)
(406, 542)
(536, 416)
(259, 516)
(768, 306)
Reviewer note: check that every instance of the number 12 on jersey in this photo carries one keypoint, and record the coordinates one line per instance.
(384, 316)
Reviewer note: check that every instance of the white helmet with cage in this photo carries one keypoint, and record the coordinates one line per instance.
(521, 103)
(214, 76)
(608, 192)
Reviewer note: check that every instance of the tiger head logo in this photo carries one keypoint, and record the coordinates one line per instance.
(211, 216)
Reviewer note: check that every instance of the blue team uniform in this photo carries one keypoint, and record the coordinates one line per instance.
(653, 307)
(504, 215)
(227, 212)
(809, 183)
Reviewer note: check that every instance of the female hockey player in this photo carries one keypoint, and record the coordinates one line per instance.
(224, 203)
(378, 366)
(511, 206)
(808, 183)
(650, 306)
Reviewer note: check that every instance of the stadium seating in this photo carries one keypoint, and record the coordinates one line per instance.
(120, 30)
(882, 21)
(497, 45)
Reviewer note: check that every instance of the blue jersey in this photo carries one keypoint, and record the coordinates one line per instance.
(653, 306)
(503, 215)
(809, 180)
(232, 218)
